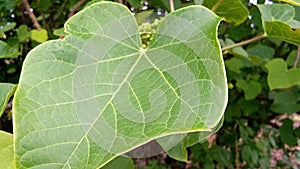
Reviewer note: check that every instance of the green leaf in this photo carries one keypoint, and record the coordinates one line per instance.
(234, 65)
(97, 93)
(60, 32)
(6, 150)
(249, 155)
(251, 89)
(179, 152)
(7, 52)
(286, 131)
(293, 2)
(7, 27)
(291, 59)
(233, 11)
(6, 91)
(39, 36)
(135, 3)
(261, 51)
(122, 162)
(198, 2)
(278, 21)
(279, 76)
(23, 33)
(286, 102)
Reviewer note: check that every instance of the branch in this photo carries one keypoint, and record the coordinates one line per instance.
(245, 42)
(61, 10)
(297, 58)
(171, 5)
(75, 7)
(217, 5)
(31, 15)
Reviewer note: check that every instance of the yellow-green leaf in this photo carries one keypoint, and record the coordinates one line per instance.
(6, 91)
(7, 52)
(280, 77)
(6, 150)
(278, 21)
(233, 11)
(39, 36)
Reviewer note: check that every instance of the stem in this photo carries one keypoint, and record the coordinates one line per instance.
(61, 10)
(171, 5)
(217, 5)
(297, 58)
(75, 7)
(31, 15)
(245, 42)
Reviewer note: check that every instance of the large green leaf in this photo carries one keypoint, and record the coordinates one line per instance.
(6, 150)
(6, 91)
(278, 21)
(233, 11)
(280, 77)
(7, 52)
(98, 94)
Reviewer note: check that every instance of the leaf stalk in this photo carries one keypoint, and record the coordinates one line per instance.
(245, 42)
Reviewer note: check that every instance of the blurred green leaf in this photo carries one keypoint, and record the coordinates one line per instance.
(23, 33)
(6, 150)
(249, 155)
(39, 36)
(143, 17)
(286, 133)
(291, 59)
(286, 102)
(198, 2)
(122, 162)
(279, 76)
(233, 11)
(7, 27)
(251, 89)
(60, 32)
(262, 51)
(135, 3)
(234, 65)
(6, 91)
(7, 52)
(278, 22)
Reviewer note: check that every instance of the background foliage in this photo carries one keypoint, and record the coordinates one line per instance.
(261, 125)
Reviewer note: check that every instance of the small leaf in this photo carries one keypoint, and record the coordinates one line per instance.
(7, 27)
(261, 51)
(23, 33)
(286, 131)
(251, 89)
(278, 21)
(279, 76)
(6, 150)
(6, 91)
(293, 2)
(286, 102)
(7, 52)
(291, 59)
(39, 36)
(233, 11)
(60, 32)
(234, 65)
